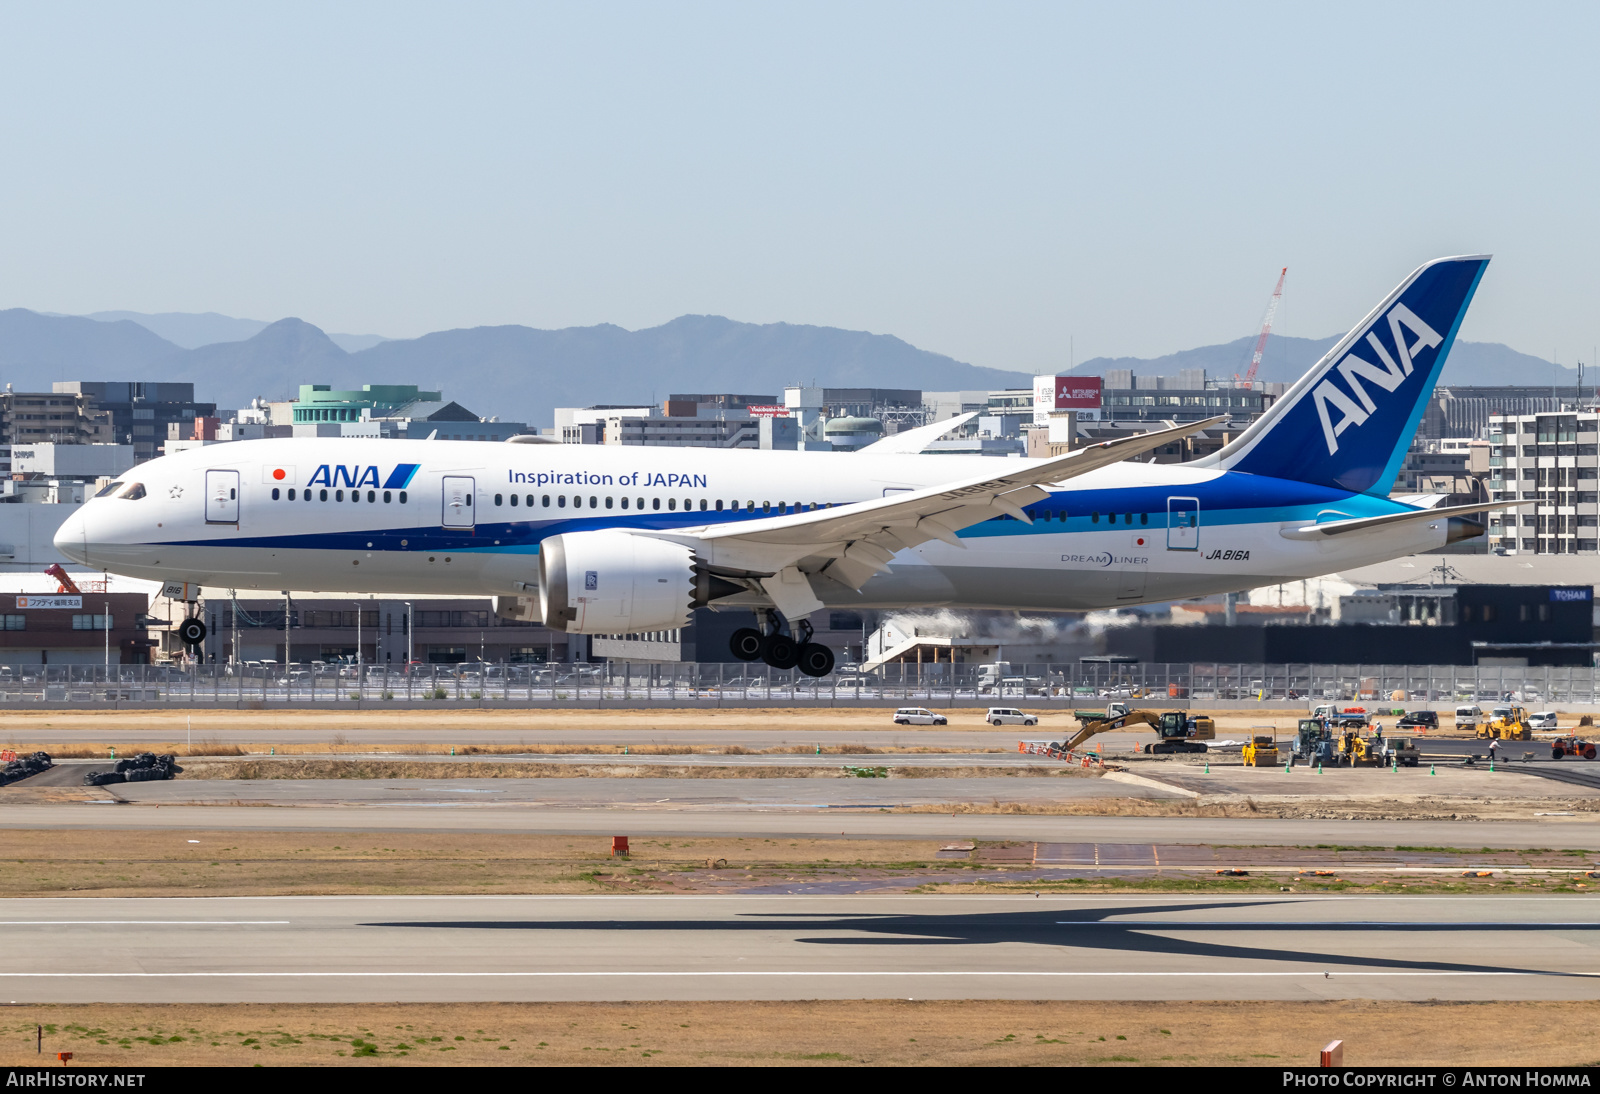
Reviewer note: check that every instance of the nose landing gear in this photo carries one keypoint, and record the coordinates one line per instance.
(781, 651)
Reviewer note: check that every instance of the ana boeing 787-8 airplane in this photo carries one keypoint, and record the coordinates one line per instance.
(608, 539)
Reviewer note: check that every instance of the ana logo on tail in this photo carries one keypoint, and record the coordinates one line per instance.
(1354, 411)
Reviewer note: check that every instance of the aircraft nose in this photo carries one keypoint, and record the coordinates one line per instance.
(72, 538)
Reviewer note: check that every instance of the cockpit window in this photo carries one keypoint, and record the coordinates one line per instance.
(110, 489)
(132, 491)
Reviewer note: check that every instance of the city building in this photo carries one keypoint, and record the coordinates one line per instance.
(81, 462)
(383, 631)
(54, 417)
(92, 628)
(1551, 460)
(392, 411)
(140, 412)
(1508, 625)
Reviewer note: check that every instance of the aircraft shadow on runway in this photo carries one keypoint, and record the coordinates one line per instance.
(1095, 928)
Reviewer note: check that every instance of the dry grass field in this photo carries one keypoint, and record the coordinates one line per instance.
(124, 863)
(818, 1033)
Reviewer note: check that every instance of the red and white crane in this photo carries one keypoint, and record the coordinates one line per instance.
(1249, 377)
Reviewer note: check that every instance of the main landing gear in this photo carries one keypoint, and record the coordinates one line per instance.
(781, 651)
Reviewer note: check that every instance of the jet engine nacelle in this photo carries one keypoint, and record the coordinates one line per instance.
(611, 582)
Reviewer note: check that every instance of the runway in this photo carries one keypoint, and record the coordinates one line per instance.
(1581, 831)
(439, 949)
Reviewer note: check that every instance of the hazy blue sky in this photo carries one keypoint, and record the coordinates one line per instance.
(984, 180)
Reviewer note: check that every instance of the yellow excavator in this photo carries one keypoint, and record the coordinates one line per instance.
(1179, 731)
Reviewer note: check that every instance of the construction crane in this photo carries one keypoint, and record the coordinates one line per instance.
(67, 585)
(1249, 378)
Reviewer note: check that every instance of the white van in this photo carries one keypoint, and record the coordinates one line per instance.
(1469, 717)
(917, 716)
(1009, 716)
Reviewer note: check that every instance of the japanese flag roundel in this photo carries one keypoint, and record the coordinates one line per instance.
(278, 474)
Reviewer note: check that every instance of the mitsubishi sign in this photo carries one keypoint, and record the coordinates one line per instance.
(1052, 394)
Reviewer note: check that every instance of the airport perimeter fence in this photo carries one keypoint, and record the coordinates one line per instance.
(1055, 685)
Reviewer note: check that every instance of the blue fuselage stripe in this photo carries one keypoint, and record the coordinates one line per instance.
(1232, 498)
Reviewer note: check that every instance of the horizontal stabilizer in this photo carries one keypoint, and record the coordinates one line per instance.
(1361, 524)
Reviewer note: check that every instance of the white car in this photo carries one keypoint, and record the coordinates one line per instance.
(916, 716)
(1545, 719)
(1009, 716)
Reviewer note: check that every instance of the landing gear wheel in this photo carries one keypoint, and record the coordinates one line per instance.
(192, 631)
(815, 659)
(746, 644)
(781, 652)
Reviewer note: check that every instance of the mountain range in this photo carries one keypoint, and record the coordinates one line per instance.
(521, 373)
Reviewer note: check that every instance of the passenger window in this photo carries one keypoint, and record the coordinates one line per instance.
(608, 503)
(1144, 518)
(497, 499)
(672, 503)
(274, 493)
(655, 503)
(1094, 518)
(513, 500)
(387, 497)
(322, 495)
(561, 501)
(640, 504)
(291, 493)
(766, 507)
(402, 497)
(530, 501)
(719, 505)
(594, 502)
(547, 501)
(372, 495)
(624, 503)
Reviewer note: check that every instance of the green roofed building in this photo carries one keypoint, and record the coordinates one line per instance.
(320, 403)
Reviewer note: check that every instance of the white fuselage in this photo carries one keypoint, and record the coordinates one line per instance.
(466, 517)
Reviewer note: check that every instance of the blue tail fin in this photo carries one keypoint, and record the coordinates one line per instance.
(1348, 422)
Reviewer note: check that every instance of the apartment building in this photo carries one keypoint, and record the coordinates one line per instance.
(56, 417)
(1549, 459)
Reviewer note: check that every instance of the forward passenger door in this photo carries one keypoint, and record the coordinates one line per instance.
(458, 493)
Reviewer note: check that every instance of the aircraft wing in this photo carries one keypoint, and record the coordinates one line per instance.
(850, 543)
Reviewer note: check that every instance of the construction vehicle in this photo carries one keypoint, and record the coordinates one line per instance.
(1395, 752)
(1179, 732)
(1571, 746)
(1261, 751)
(1335, 715)
(1355, 749)
(1508, 723)
(63, 580)
(1314, 742)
